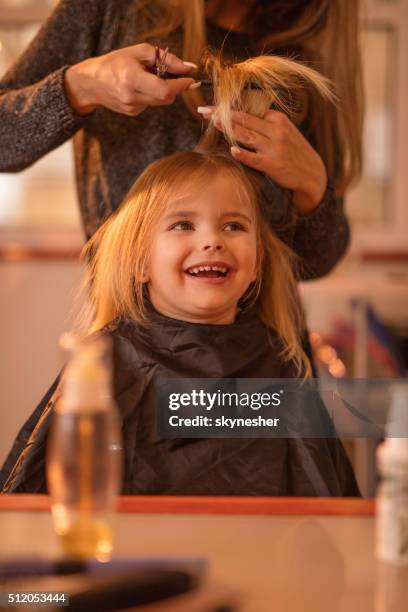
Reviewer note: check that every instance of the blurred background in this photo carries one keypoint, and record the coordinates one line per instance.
(358, 315)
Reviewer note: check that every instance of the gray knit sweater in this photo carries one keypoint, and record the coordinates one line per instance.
(111, 150)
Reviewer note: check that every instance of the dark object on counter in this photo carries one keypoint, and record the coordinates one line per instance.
(174, 583)
(132, 589)
(25, 567)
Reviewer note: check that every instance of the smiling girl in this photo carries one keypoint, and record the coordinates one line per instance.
(192, 243)
(203, 256)
(189, 280)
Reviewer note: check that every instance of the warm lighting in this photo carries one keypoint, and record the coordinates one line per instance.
(14, 251)
(326, 354)
(15, 3)
(337, 369)
(315, 339)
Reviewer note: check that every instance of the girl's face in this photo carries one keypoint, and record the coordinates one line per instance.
(203, 254)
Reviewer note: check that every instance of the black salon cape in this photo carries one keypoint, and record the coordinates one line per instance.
(169, 348)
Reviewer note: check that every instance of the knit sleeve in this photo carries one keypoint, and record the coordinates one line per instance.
(319, 239)
(35, 115)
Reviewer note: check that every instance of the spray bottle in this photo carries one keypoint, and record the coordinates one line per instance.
(84, 453)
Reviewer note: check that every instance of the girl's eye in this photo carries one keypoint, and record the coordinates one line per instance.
(182, 226)
(234, 227)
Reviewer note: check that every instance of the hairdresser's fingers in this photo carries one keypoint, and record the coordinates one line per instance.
(248, 137)
(173, 87)
(273, 124)
(177, 66)
(132, 110)
(276, 117)
(256, 160)
(146, 54)
(161, 91)
(136, 101)
(266, 126)
(206, 111)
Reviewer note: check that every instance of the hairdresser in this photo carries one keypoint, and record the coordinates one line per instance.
(91, 74)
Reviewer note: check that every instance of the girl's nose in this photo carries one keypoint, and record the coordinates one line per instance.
(216, 246)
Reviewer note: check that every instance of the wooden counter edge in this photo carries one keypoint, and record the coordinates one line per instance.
(211, 505)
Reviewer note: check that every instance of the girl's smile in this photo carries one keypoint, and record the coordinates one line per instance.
(214, 272)
(203, 254)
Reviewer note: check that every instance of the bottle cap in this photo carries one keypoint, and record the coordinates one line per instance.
(87, 378)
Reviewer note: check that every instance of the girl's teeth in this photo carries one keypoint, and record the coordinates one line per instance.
(208, 269)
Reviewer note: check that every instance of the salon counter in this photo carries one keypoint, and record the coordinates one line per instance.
(279, 554)
(150, 504)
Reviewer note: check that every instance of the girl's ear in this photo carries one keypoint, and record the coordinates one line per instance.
(143, 270)
(142, 276)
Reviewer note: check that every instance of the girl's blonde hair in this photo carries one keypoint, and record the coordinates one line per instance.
(118, 253)
(323, 33)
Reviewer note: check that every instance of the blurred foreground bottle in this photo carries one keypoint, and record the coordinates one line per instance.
(392, 499)
(84, 454)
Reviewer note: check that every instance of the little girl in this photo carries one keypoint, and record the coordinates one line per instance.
(190, 281)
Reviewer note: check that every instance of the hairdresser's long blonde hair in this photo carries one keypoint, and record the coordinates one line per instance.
(322, 33)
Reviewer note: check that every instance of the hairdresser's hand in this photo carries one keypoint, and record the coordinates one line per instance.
(119, 81)
(283, 153)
